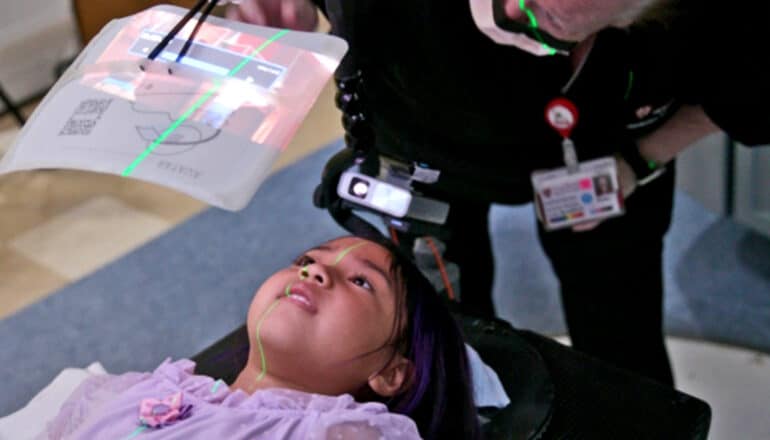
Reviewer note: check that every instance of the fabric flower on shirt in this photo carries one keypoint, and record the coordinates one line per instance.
(159, 413)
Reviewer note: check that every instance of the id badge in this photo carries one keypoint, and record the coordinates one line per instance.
(566, 199)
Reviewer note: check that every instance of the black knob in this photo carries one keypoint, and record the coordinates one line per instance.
(348, 102)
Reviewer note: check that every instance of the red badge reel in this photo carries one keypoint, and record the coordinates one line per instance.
(562, 115)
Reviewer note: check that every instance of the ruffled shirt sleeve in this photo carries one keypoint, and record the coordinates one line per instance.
(371, 430)
(342, 418)
(108, 407)
(350, 420)
(91, 395)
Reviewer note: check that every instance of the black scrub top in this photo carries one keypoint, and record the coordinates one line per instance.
(724, 49)
(441, 92)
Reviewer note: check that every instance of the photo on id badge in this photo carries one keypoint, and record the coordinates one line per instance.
(603, 185)
(566, 199)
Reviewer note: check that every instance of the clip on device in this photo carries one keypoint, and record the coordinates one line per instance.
(395, 199)
(204, 106)
(345, 188)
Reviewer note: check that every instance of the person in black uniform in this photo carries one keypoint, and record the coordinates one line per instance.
(649, 77)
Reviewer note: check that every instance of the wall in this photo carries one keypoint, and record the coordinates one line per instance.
(751, 191)
(702, 172)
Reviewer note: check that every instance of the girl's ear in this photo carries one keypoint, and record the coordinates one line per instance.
(395, 377)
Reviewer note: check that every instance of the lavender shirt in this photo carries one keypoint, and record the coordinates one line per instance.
(107, 407)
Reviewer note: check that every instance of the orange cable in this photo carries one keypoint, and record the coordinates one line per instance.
(441, 268)
(393, 235)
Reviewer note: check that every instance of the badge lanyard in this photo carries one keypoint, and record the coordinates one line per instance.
(562, 115)
(578, 192)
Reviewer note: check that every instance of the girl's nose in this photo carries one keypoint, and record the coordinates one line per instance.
(316, 273)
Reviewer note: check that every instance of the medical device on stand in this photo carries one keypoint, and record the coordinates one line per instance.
(204, 106)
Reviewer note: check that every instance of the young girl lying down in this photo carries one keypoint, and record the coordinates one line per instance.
(348, 342)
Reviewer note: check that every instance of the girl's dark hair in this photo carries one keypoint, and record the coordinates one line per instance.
(439, 396)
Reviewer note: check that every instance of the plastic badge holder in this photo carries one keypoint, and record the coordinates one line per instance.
(212, 127)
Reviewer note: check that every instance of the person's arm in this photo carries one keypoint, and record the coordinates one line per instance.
(689, 124)
(299, 15)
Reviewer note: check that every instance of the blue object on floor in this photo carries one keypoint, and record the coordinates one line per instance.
(186, 289)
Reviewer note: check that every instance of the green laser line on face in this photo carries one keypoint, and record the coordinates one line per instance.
(262, 359)
(533, 24)
(346, 251)
(303, 275)
(217, 85)
(259, 340)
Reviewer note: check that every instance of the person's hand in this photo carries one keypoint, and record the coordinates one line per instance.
(299, 15)
(627, 181)
(626, 177)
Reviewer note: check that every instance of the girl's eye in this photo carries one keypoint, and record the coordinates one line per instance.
(303, 260)
(363, 282)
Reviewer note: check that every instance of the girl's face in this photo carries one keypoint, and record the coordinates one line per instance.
(325, 322)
